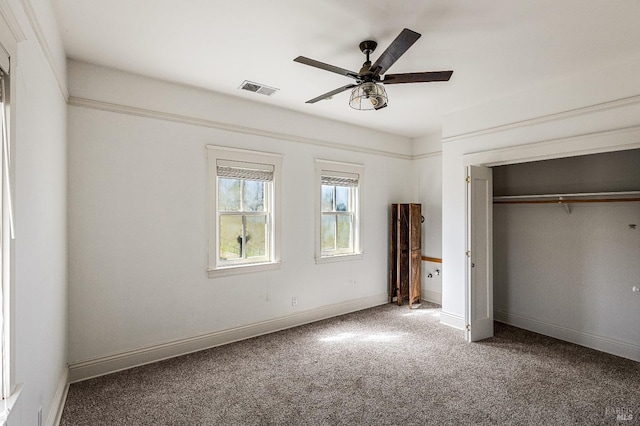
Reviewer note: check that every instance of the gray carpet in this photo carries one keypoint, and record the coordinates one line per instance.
(382, 366)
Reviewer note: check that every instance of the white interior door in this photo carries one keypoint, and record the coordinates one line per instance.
(479, 285)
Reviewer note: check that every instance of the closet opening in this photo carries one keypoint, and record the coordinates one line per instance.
(565, 242)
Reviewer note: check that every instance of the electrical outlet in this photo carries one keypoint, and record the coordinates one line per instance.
(294, 301)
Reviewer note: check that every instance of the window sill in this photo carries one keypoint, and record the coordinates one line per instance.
(243, 269)
(339, 258)
(8, 404)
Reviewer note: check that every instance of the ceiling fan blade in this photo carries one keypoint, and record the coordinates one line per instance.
(396, 49)
(417, 77)
(326, 67)
(331, 93)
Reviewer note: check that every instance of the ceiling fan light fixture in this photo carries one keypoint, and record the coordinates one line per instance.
(368, 96)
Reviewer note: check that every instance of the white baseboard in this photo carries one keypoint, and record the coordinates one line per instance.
(59, 399)
(452, 320)
(600, 343)
(432, 296)
(110, 364)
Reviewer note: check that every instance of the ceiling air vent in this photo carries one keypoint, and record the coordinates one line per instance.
(258, 88)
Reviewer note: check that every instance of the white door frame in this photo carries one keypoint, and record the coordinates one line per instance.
(570, 147)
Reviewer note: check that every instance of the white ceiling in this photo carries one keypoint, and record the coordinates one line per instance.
(495, 47)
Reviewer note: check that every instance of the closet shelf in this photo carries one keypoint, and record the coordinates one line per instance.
(566, 199)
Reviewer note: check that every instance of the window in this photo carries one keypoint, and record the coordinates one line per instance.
(243, 220)
(6, 235)
(339, 224)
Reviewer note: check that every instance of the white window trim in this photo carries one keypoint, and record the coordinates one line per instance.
(337, 168)
(214, 154)
(8, 48)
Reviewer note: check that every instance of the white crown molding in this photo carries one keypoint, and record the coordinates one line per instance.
(427, 155)
(593, 341)
(626, 138)
(603, 106)
(12, 22)
(84, 370)
(178, 118)
(42, 41)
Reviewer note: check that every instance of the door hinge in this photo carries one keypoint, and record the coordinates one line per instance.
(468, 179)
(468, 253)
(468, 327)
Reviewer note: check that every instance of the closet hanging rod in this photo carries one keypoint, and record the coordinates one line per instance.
(565, 201)
(578, 194)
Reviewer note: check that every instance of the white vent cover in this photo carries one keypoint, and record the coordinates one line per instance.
(257, 88)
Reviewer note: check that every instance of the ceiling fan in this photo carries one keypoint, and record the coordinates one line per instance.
(368, 92)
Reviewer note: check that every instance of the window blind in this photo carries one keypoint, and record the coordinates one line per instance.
(248, 171)
(339, 179)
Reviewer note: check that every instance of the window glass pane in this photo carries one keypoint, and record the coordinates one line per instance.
(328, 232)
(256, 236)
(344, 232)
(230, 237)
(342, 198)
(253, 196)
(228, 195)
(327, 198)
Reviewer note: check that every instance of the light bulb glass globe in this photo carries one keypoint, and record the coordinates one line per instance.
(368, 96)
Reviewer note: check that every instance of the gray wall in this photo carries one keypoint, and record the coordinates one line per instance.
(611, 171)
